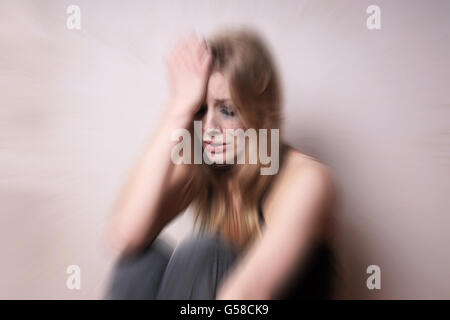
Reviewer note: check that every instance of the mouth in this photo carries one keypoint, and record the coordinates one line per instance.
(214, 147)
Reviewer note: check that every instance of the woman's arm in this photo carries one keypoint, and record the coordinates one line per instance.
(139, 214)
(297, 208)
(150, 197)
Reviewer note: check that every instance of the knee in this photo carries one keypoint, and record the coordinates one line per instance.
(196, 267)
(201, 255)
(137, 275)
(204, 247)
(156, 251)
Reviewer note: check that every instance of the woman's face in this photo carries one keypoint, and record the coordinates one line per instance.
(218, 114)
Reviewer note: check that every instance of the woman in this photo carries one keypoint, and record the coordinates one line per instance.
(262, 236)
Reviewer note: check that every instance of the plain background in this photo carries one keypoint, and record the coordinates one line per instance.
(77, 106)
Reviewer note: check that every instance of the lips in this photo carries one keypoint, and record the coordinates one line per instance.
(214, 147)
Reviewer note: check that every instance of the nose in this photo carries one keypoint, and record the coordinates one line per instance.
(209, 123)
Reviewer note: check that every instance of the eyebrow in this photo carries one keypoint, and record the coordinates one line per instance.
(227, 101)
(222, 100)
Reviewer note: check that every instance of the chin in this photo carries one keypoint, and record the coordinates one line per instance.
(220, 159)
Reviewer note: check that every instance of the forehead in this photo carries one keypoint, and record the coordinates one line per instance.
(218, 87)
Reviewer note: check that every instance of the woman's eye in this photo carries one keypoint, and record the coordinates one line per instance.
(226, 111)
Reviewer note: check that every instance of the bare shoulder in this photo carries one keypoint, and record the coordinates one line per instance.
(302, 181)
(301, 168)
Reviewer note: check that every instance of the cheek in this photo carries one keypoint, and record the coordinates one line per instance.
(233, 123)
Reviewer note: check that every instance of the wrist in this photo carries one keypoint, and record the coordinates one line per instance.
(176, 113)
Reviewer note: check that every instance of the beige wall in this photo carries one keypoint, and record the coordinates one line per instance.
(77, 105)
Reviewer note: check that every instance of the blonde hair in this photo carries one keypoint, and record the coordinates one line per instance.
(226, 199)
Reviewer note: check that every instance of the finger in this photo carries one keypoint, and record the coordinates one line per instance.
(193, 44)
(199, 50)
(193, 47)
(177, 49)
(206, 62)
(202, 49)
(186, 56)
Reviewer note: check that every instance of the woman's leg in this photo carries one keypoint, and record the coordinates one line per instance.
(196, 268)
(139, 275)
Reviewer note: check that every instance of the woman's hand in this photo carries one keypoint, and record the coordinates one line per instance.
(189, 68)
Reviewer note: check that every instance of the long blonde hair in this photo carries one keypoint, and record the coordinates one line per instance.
(226, 199)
